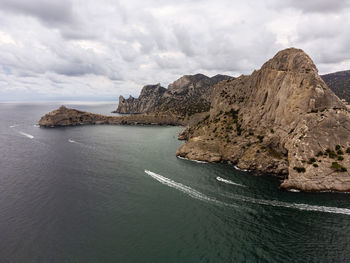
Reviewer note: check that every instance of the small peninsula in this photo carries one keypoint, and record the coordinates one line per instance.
(282, 119)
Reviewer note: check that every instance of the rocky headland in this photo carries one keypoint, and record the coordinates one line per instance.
(64, 116)
(281, 119)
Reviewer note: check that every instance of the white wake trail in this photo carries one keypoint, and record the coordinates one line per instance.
(228, 182)
(239, 169)
(185, 189)
(196, 161)
(27, 135)
(198, 195)
(298, 206)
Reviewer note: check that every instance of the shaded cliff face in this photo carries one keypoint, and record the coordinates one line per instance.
(186, 96)
(148, 100)
(282, 119)
(339, 83)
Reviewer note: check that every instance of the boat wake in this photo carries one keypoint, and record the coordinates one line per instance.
(298, 206)
(239, 169)
(228, 182)
(80, 144)
(200, 196)
(26, 134)
(185, 189)
(196, 161)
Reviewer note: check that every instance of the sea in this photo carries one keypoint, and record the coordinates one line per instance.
(104, 193)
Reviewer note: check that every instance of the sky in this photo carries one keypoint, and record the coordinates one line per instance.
(98, 50)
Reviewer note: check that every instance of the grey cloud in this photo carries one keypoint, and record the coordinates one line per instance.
(115, 47)
(50, 12)
(316, 6)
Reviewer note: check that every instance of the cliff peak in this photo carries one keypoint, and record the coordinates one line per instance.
(291, 59)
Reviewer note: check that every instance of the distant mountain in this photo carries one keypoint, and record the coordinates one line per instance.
(339, 83)
(186, 96)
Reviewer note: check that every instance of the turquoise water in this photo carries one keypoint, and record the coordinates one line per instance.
(119, 194)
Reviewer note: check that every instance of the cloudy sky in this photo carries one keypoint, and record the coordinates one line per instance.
(98, 50)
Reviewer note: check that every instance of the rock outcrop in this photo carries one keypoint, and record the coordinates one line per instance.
(282, 119)
(148, 101)
(186, 96)
(70, 117)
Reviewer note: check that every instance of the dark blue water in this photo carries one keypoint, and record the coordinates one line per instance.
(81, 194)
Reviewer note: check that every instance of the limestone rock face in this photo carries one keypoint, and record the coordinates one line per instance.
(282, 119)
(186, 96)
(147, 101)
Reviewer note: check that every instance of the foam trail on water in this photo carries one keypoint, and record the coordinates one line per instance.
(185, 189)
(27, 135)
(36, 125)
(13, 126)
(80, 144)
(299, 206)
(239, 169)
(196, 161)
(228, 182)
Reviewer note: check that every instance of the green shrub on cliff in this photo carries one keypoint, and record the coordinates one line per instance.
(338, 167)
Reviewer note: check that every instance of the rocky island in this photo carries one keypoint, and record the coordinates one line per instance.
(281, 119)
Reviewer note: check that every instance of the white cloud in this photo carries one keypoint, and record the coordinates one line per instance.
(74, 48)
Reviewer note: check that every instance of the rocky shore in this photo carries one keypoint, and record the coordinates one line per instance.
(281, 119)
(70, 117)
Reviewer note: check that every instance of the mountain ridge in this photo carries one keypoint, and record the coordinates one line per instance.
(186, 96)
(339, 83)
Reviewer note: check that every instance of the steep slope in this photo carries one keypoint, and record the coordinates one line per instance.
(339, 83)
(147, 101)
(186, 96)
(282, 119)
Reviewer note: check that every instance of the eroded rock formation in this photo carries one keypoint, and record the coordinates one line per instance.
(282, 119)
(186, 96)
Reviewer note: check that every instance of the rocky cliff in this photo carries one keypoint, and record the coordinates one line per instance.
(282, 119)
(70, 117)
(339, 83)
(148, 101)
(186, 96)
